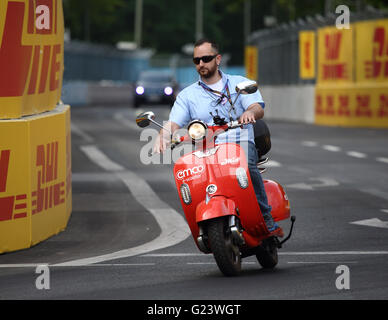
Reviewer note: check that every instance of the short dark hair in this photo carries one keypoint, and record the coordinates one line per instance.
(213, 44)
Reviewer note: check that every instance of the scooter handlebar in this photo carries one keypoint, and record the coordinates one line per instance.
(230, 125)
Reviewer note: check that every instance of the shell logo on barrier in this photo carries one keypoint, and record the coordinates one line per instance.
(31, 55)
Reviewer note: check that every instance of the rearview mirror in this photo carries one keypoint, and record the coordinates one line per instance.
(246, 87)
(144, 119)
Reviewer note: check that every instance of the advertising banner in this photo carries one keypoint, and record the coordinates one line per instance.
(251, 62)
(354, 105)
(372, 51)
(335, 55)
(31, 56)
(307, 54)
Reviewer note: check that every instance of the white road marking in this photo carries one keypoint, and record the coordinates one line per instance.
(199, 263)
(376, 192)
(76, 130)
(285, 253)
(384, 210)
(331, 148)
(34, 265)
(272, 164)
(374, 222)
(22, 265)
(309, 143)
(99, 158)
(356, 154)
(384, 160)
(324, 182)
(320, 253)
(152, 255)
(173, 226)
(125, 122)
(322, 262)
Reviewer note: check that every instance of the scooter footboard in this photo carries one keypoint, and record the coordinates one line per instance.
(277, 199)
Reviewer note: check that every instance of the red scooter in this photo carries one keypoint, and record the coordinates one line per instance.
(218, 197)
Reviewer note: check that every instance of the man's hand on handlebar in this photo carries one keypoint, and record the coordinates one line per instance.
(161, 143)
(247, 117)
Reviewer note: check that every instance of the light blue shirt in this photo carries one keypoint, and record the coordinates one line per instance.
(195, 103)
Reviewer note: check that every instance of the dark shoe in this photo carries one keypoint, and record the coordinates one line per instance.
(276, 231)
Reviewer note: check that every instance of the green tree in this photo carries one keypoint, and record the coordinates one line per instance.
(170, 24)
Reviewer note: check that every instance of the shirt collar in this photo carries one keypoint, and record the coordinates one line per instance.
(224, 76)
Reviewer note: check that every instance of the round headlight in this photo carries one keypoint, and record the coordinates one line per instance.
(197, 130)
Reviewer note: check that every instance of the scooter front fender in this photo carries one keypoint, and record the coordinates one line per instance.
(218, 206)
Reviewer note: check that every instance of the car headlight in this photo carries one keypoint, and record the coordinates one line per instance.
(139, 90)
(197, 129)
(168, 91)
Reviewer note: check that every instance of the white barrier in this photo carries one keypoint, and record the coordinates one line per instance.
(289, 102)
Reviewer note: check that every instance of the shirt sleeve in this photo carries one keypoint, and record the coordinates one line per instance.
(180, 113)
(248, 99)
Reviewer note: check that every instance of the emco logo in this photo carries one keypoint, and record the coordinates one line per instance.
(181, 174)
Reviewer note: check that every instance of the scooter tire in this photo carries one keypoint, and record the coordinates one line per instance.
(267, 254)
(225, 251)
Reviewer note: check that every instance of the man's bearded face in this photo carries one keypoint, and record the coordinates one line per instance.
(206, 70)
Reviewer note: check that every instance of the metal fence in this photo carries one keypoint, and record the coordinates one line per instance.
(278, 48)
(91, 62)
(86, 62)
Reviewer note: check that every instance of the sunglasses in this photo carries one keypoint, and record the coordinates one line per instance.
(205, 59)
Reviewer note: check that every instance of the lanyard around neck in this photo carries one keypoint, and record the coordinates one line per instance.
(223, 95)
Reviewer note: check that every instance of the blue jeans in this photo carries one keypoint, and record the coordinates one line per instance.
(258, 184)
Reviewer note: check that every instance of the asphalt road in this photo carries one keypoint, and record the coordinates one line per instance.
(126, 238)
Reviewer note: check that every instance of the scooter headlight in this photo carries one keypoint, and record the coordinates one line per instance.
(197, 130)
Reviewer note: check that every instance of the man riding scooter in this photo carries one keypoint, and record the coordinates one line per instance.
(213, 94)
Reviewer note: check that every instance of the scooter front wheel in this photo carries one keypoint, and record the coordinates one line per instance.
(225, 251)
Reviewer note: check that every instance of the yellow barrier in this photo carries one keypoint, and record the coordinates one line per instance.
(335, 55)
(352, 105)
(31, 56)
(251, 62)
(307, 54)
(352, 83)
(35, 183)
(35, 147)
(372, 51)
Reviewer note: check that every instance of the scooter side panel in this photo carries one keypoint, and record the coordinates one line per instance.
(278, 199)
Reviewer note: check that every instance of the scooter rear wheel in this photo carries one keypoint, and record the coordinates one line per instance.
(267, 254)
(225, 251)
